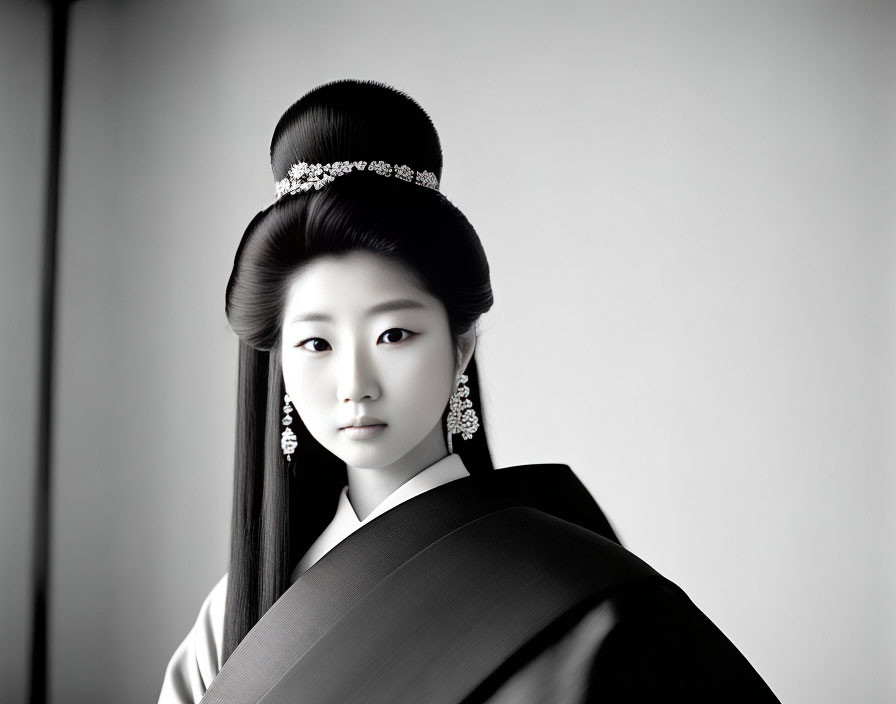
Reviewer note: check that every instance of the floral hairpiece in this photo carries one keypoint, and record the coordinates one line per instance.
(303, 176)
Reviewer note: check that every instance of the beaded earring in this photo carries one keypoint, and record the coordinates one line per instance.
(461, 416)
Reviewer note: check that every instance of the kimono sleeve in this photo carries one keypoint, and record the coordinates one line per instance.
(198, 658)
(662, 647)
(642, 645)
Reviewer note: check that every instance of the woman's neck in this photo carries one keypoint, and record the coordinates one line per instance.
(368, 488)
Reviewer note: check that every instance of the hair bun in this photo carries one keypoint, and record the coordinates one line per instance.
(352, 120)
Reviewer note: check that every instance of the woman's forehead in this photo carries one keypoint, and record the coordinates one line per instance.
(353, 281)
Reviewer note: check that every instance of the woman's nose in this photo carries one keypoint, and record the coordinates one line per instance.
(357, 378)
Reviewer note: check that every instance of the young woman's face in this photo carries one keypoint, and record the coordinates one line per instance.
(362, 343)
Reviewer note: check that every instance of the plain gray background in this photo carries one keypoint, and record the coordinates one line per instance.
(688, 210)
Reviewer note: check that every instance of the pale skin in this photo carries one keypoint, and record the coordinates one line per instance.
(361, 339)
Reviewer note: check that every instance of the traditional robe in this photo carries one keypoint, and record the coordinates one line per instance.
(505, 586)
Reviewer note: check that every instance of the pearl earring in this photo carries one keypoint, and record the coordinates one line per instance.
(288, 438)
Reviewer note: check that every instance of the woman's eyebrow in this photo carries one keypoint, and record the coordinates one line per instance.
(385, 307)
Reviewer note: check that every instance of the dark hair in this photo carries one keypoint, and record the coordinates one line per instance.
(279, 510)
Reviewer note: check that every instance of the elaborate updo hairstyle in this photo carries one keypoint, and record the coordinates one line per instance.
(280, 508)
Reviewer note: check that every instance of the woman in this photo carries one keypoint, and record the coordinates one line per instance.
(376, 555)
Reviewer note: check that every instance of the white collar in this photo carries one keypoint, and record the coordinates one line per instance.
(346, 521)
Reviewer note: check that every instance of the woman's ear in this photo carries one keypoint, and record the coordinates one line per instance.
(466, 343)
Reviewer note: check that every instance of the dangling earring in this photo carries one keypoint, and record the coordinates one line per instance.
(288, 438)
(461, 418)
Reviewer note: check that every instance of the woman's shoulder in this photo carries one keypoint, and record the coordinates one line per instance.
(629, 632)
(199, 656)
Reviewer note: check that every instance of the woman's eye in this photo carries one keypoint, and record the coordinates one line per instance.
(394, 335)
(317, 344)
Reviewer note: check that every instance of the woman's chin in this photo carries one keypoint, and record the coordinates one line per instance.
(367, 457)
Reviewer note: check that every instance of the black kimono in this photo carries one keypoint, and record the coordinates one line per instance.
(504, 586)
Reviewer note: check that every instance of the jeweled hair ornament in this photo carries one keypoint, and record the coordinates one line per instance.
(303, 176)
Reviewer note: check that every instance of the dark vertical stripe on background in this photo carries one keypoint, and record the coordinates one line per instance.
(41, 565)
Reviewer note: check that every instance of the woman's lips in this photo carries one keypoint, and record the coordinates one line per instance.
(361, 432)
